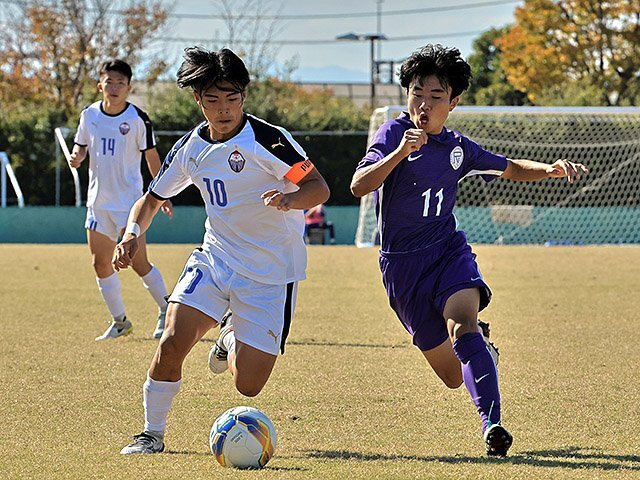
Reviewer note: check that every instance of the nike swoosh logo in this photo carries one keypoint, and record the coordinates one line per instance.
(476, 278)
(479, 379)
(411, 159)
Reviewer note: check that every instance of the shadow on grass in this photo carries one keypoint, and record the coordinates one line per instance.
(304, 343)
(314, 343)
(207, 454)
(570, 457)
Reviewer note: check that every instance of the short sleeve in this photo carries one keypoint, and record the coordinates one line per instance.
(482, 162)
(173, 176)
(146, 138)
(82, 134)
(384, 141)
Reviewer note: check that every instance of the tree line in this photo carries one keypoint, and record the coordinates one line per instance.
(556, 52)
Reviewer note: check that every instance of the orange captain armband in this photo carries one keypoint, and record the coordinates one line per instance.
(299, 171)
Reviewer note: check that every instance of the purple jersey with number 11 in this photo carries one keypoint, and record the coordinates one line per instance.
(415, 202)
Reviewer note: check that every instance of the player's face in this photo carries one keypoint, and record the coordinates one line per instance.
(429, 103)
(115, 87)
(222, 109)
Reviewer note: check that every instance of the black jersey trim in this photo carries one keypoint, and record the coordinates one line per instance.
(148, 127)
(203, 132)
(288, 314)
(79, 144)
(114, 114)
(156, 196)
(274, 141)
(167, 162)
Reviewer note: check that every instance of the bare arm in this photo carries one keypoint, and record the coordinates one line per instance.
(153, 162)
(370, 178)
(313, 191)
(529, 170)
(142, 214)
(78, 154)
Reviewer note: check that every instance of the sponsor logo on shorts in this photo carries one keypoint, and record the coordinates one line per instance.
(275, 337)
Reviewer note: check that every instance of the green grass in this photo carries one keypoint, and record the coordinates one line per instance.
(351, 399)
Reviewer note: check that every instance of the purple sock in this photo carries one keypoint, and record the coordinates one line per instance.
(480, 376)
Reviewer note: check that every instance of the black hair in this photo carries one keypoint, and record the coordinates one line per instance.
(202, 69)
(445, 63)
(115, 65)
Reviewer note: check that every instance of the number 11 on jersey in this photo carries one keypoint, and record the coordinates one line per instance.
(427, 200)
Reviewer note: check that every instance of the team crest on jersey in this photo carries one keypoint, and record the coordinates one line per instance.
(456, 157)
(236, 161)
(124, 128)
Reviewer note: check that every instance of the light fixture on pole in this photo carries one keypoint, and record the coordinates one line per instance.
(372, 38)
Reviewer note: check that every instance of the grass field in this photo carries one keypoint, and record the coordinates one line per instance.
(351, 399)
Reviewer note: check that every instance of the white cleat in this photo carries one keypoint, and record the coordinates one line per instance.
(160, 326)
(218, 355)
(493, 350)
(116, 329)
(144, 443)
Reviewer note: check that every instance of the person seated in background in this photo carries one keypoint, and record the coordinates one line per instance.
(316, 217)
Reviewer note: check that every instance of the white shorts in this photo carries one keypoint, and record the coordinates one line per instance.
(262, 313)
(106, 222)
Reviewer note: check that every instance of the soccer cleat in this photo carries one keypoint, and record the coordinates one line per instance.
(144, 443)
(497, 440)
(218, 354)
(160, 326)
(493, 350)
(116, 329)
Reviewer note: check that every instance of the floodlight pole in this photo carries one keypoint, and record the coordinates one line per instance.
(372, 38)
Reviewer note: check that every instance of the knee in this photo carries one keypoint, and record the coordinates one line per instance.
(102, 267)
(451, 379)
(170, 353)
(142, 268)
(452, 383)
(248, 389)
(459, 326)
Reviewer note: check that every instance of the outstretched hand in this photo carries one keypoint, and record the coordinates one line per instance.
(124, 252)
(565, 168)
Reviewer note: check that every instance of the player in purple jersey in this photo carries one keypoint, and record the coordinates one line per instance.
(428, 269)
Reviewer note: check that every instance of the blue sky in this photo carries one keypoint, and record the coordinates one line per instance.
(348, 61)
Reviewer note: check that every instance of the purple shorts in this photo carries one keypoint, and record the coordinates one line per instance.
(419, 284)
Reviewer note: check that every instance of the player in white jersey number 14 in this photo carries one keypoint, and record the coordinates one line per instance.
(255, 181)
(114, 132)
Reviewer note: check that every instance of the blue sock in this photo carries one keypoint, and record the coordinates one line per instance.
(480, 376)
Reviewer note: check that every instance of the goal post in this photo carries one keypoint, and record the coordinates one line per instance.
(602, 208)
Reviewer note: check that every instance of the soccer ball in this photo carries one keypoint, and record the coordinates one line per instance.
(243, 437)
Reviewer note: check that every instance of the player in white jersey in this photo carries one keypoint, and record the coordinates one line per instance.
(255, 181)
(116, 133)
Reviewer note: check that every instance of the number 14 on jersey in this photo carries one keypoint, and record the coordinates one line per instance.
(108, 145)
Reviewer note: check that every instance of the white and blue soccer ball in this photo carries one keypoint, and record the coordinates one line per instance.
(243, 437)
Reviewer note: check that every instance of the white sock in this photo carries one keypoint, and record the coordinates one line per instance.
(112, 294)
(155, 284)
(229, 342)
(157, 402)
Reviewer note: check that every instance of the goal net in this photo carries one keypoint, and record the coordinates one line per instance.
(603, 207)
